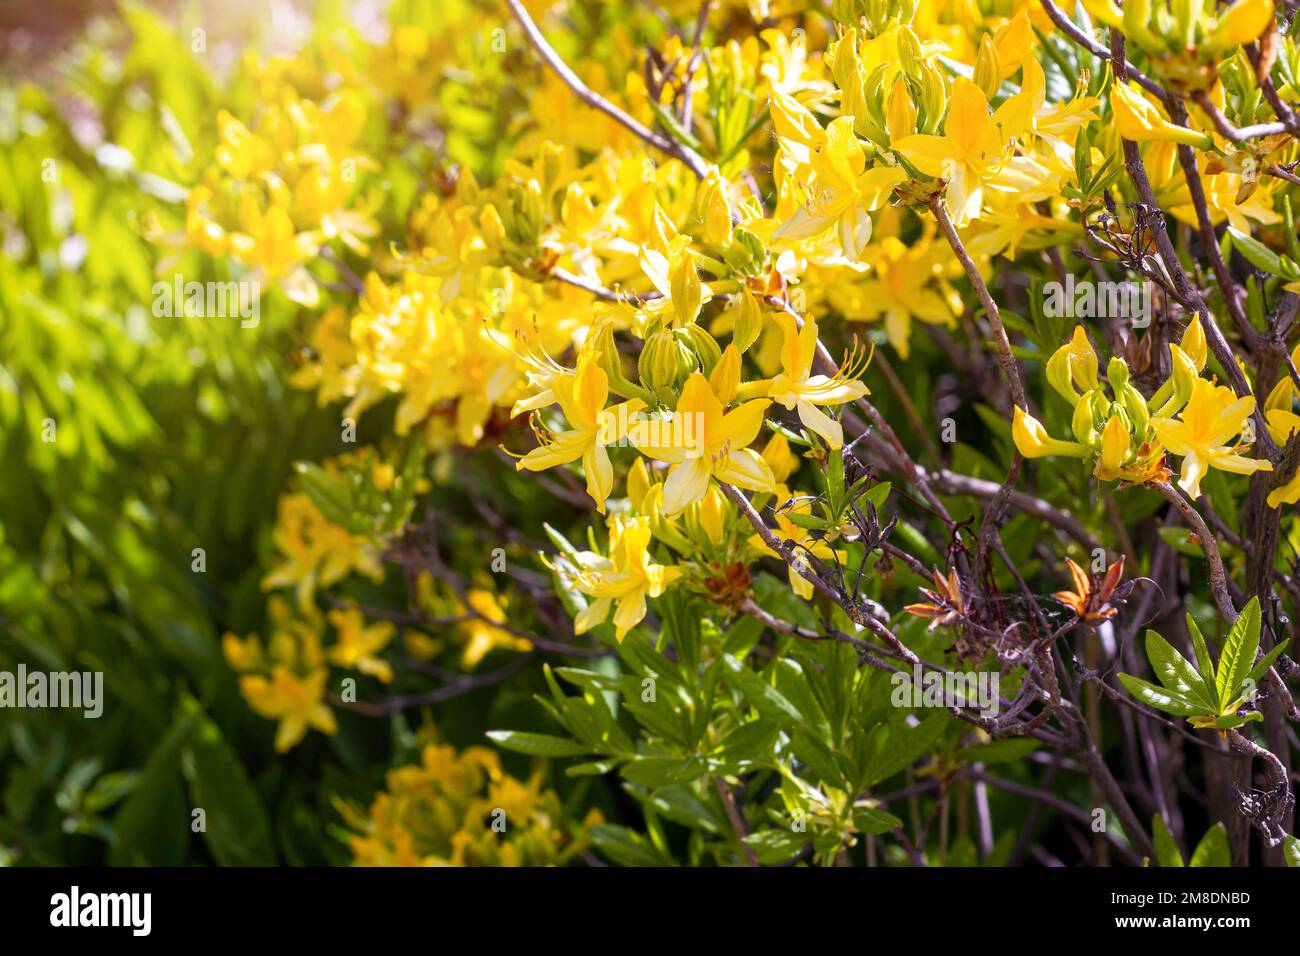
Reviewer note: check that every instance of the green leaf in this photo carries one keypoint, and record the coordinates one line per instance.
(1291, 850)
(680, 804)
(152, 825)
(1176, 672)
(776, 846)
(902, 745)
(237, 829)
(330, 493)
(1238, 657)
(1160, 698)
(1268, 660)
(998, 751)
(626, 847)
(765, 698)
(1213, 848)
(871, 821)
(1166, 849)
(1262, 257)
(537, 745)
(1204, 664)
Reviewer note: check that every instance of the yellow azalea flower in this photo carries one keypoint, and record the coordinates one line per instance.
(483, 636)
(432, 814)
(842, 193)
(358, 644)
(297, 702)
(1032, 440)
(1115, 444)
(241, 153)
(1211, 418)
(582, 398)
(243, 654)
(972, 148)
(678, 283)
(269, 240)
(804, 539)
(625, 579)
(1138, 119)
(780, 458)
(718, 446)
(907, 281)
(797, 388)
(313, 551)
(1241, 23)
(1282, 423)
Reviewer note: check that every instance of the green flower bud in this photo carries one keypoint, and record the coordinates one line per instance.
(700, 344)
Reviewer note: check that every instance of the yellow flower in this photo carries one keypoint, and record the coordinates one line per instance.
(1241, 23)
(797, 388)
(626, 578)
(298, 703)
(314, 551)
(1032, 440)
(1212, 417)
(907, 281)
(269, 240)
(787, 530)
(358, 644)
(480, 630)
(842, 193)
(972, 148)
(582, 397)
(1140, 120)
(718, 446)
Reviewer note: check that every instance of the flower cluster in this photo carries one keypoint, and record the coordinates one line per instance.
(1126, 436)
(459, 808)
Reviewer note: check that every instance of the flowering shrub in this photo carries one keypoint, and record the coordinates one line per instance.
(778, 421)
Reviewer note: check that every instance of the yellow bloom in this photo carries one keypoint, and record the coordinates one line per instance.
(797, 388)
(358, 644)
(907, 281)
(582, 398)
(972, 148)
(298, 703)
(1212, 417)
(480, 630)
(626, 578)
(1241, 23)
(269, 240)
(314, 551)
(787, 530)
(1032, 440)
(718, 446)
(842, 193)
(1140, 120)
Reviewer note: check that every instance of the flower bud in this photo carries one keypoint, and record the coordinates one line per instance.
(910, 57)
(664, 364)
(900, 119)
(1117, 373)
(702, 346)
(725, 377)
(1114, 447)
(685, 288)
(713, 211)
(934, 97)
(988, 71)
